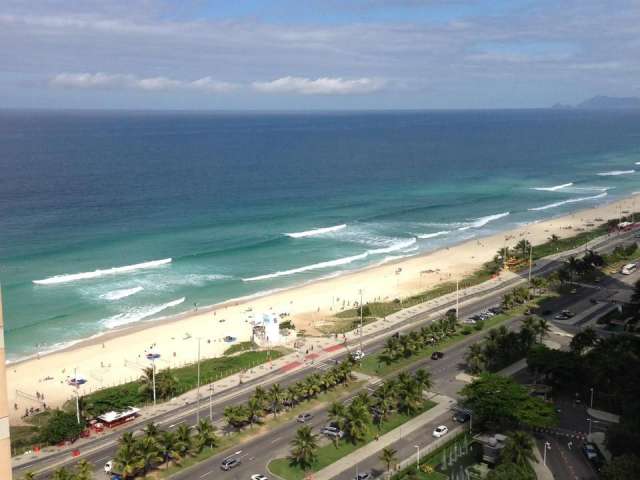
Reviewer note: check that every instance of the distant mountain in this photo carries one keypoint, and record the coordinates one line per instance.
(602, 102)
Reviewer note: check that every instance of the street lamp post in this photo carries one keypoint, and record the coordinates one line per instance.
(418, 462)
(361, 315)
(198, 389)
(153, 356)
(591, 402)
(77, 385)
(547, 445)
(211, 402)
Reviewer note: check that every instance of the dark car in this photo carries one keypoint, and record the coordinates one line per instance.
(437, 355)
(304, 417)
(229, 463)
(461, 417)
(496, 310)
(593, 455)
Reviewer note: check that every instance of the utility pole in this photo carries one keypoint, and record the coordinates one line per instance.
(591, 403)
(457, 299)
(77, 385)
(5, 444)
(198, 390)
(211, 402)
(530, 267)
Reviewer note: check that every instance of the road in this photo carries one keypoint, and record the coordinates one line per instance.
(102, 449)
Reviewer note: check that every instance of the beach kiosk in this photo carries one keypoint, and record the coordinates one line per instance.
(113, 419)
(266, 328)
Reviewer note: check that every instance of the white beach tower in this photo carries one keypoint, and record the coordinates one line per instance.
(266, 329)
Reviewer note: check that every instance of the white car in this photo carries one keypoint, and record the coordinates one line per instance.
(108, 466)
(440, 431)
(258, 476)
(357, 355)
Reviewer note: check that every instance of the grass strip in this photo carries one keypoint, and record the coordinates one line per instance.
(329, 454)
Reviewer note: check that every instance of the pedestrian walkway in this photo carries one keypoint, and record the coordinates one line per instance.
(443, 405)
(541, 470)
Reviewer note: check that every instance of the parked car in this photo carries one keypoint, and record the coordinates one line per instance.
(568, 313)
(437, 355)
(304, 417)
(496, 310)
(593, 455)
(258, 476)
(229, 463)
(440, 431)
(332, 432)
(108, 466)
(461, 417)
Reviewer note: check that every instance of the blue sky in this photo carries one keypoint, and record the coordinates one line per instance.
(316, 54)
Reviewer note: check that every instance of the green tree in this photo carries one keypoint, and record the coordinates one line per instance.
(59, 427)
(500, 403)
(126, 461)
(587, 338)
(357, 420)
(304, 450)
(511, 471)
(168, 447)
(84, 470)
(29, 476)
(148, 452)
(62, 474)
(518, 449)
(151, 430)
(388, 457)
(184, 440)
(624, 467)
(276, 397)
(205, 434)
(475, 358)
(523, 247)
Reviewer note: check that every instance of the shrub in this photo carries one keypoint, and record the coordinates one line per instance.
(59, 427)
(466, 330)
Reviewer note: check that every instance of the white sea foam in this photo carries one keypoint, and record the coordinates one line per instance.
(614, 173)
(72, 277)
(122, 293)
(403, 244)
(555, 188)
(433, 235)
(316, 231)
(482, 221)
(571, 200)
(637, 163)
(140, 313)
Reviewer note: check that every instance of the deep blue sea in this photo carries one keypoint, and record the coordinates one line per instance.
(112, 218)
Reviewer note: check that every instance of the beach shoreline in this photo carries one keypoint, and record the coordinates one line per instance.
(117, 356)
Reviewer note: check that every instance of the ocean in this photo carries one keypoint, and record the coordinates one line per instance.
(109, 218)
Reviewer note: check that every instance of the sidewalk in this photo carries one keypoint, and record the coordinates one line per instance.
(541, 470)
(371, 448)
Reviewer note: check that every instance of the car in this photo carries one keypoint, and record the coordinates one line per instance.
(363, 476)
(496, 310)
(568, 313)
(229, 463)
(589, 451)
(332, 432)
(304, 417)
(561, 316)
(440, 431)
(258, 476)
(357, 355)
(461, 417)
(108, 466)
(437, 355)
(230, 339)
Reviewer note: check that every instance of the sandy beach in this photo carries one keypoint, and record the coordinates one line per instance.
(118, 356)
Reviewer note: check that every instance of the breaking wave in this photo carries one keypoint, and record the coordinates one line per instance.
(334, 263)
(482, 221)
(140, 313)
(432, 235)
(614, 173)
(72, 277)
(317, 231)
(123, 293)
(571, 200)
(555, 188)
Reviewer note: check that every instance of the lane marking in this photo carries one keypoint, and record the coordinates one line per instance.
(205, 474)
(178, 423)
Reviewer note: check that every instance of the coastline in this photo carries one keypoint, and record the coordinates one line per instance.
(118, 355)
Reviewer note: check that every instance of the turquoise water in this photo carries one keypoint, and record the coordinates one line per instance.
(202, 208)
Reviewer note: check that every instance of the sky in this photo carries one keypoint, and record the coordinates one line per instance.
(315, 54)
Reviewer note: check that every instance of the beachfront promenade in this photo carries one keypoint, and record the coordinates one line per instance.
(289, 368)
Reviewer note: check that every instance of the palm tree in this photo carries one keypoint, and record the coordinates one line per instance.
(276, 397)
(205, 434)
(126, 461)
(254, 409)
(385, 396)
(29, 476)
(127, 440)
(166, 384)
(410, 397)
(523, 246)
(337, 414)
(543, 328)
(148, 452)
(260, 396)
(305, 448)
(151, 430)
(84, 470)
(423, 378)
(168, 447)
(357, 420)
(62, 474)
(184, 441)
(518, 449)
(388, 457)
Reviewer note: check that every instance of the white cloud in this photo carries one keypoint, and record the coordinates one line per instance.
(320, 86)
(113, 81)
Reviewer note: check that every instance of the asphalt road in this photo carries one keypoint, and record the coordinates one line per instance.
(102, 449)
